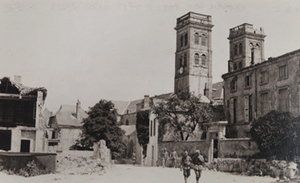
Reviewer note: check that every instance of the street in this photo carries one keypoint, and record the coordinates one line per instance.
(137, 174)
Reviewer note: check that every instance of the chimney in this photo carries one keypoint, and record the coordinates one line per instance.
(78, 106)
(146, 101)
(17, 79)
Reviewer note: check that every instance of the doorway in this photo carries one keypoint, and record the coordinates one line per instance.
(25, 145)
(215, 148)
(152, 156)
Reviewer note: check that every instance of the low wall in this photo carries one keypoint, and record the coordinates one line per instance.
(237, 148)
(16, 161)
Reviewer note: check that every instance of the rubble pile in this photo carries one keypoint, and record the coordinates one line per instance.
(80, 165)
(257, 167)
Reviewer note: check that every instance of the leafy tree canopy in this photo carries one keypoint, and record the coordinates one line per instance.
(182, 113)
(142, 128)
(277, 135)
(102, 124)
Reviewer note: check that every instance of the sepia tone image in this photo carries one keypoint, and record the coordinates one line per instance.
(149, 91)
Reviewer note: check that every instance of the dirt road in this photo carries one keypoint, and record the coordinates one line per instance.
(136, 174)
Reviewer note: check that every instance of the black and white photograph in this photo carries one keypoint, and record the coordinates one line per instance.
(140, 91)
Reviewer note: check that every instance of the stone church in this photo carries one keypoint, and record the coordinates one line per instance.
(193, 73)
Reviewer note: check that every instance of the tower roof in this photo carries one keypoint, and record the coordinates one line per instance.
(244, 29)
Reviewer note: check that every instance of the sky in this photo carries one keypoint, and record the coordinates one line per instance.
(90, 50)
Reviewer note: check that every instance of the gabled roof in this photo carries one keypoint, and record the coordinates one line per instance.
(131, 108)
(129, 129)
(66, 116)
(120, 106)
(25, 90)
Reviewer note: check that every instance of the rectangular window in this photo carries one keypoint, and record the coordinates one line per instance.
(233, 85)
(234, 110)
(283, 100)
(248, 81)
(264, 98)
(248, 108)
(283, 73)
(264, 77)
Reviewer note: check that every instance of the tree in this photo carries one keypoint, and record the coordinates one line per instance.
(102, 124)
(182, 113)
(276, 135)
(142, 129)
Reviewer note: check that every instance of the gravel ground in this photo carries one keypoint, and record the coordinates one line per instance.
(136, 174)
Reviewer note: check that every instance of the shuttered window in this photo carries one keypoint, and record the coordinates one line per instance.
(283, 100)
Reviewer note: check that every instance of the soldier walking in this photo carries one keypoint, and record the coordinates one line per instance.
(186, 165)
(198, 162)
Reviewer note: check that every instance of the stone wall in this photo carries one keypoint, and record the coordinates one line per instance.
(237, 148)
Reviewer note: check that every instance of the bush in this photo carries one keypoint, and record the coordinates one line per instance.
(276, 135)
(31, 169)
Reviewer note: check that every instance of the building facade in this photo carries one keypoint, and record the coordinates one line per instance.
(254, 86)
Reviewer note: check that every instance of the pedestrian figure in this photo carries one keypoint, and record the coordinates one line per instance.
(165, 156)
(186, 165)
(198, 162)
(133, 158)
(173, 158)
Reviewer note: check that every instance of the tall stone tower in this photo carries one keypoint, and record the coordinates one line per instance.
(193, 57)
(246, 46)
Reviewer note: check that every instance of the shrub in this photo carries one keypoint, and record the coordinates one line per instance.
(276, 135)
(31, 169)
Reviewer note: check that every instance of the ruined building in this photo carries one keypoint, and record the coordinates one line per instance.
(22, 127)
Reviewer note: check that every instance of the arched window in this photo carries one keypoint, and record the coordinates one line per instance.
(235, 48)
(252, 56)
(181, 41)
(240, 48)
(203, 40)
(185, 39)
(185, 59)
(196, 59)
(203, 59)
(196, 38)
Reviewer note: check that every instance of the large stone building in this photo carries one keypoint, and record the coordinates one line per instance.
(254, 86)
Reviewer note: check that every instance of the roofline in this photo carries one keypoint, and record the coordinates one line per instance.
(270, 59)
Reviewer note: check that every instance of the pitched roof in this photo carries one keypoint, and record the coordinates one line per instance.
(131, 108)
(66, 116)
(129, 129)
(120, 106)
(217, 90)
